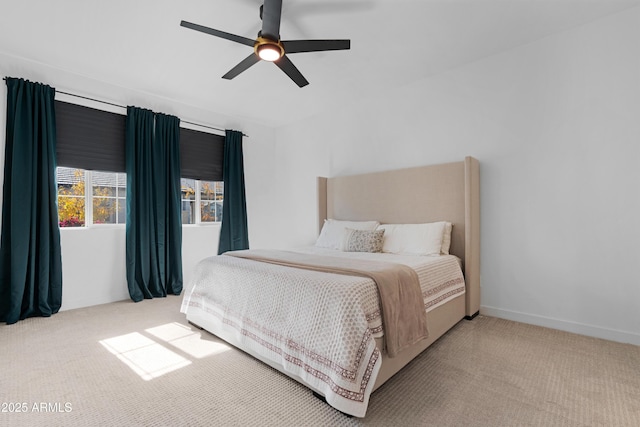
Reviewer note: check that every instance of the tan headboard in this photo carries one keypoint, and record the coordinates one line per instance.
(444, 192)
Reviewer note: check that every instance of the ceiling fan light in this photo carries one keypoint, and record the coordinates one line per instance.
(269, 52)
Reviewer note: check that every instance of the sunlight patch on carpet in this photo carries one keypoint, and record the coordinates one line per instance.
(144, 356)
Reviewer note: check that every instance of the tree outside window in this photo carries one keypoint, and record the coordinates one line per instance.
(71, 197)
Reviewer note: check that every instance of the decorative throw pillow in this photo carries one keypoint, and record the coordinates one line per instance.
(362, 240)
(331, 236)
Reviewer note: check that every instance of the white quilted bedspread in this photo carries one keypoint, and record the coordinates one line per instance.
(318, 327)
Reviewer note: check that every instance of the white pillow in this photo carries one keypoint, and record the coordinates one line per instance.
(332, 233)
(413, 239)
(446, 238)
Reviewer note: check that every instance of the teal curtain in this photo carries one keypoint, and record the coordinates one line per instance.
(234, 234)
(168, 136)
(153, 225)
(30, 256)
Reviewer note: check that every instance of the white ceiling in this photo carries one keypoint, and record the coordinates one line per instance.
(139, 44)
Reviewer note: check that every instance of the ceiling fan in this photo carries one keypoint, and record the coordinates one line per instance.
(268, 45)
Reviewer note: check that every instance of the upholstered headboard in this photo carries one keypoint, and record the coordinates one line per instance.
(443, 192)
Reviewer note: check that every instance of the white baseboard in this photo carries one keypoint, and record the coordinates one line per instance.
(89, 302)
(563, 325)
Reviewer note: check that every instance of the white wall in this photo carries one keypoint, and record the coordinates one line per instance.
(94, 269)
(555, 125)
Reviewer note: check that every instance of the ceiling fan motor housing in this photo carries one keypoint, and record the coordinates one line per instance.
(266, 43)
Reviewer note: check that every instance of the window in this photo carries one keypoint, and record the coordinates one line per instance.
(201, 157)
(91, 140)
(71, 197)
(93, 197)
(188, 191)
(90, 197)
(88, 141)
(109, 197)
(201, 201)
(211, 196)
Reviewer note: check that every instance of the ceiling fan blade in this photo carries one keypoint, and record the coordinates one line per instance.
(217, 33)
(242, 66)
(290, 70)
(298, 46)
(271, 13)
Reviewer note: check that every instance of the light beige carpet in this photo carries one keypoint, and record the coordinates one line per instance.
(70, 370)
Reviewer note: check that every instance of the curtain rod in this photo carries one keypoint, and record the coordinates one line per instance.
(122, 106)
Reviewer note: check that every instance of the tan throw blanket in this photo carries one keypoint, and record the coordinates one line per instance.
(404, 317)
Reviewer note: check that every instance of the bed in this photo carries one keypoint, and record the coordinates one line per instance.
(323, 326)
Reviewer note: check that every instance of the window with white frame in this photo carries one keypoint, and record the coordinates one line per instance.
(201, 201)
(91, 140)
(95, 197)
(109, 197)
(90, 197)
